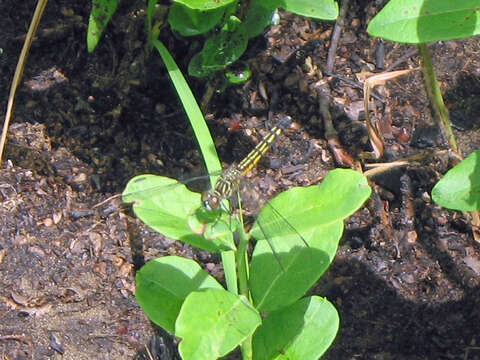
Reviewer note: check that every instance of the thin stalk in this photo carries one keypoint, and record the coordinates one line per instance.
(37, 15)
(435, 96)
(228, 262)
(242, 259)
(242, 264)
(247, 350)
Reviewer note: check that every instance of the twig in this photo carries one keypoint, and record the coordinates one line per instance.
(336, 35)
(354, 84)
(402, 59)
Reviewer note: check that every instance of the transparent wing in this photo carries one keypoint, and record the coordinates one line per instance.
(170, 208)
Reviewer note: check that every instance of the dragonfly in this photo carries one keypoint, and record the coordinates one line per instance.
(210, 201)
(229, 182)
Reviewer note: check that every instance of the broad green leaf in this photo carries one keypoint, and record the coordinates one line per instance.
(459, 189)
(312, 215)
(102, 11)
(171, 209)
(421, 21)
(339, 195)
(190, 22)
(318, 9)
(204, 4)
(213, 322)
(279, 279)
(163, 284)
(303, 330)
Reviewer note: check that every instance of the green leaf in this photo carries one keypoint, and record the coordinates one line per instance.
(240, 75)
(259, 16)
(459, 189)
(339, 195)
(303, 330)
(194, 114)
(313, 215)
(213, 322)
(421, 21)
(205, 4)
(221, 49)
(279, 279)
(195, 67)
(317, 9)
(168, 207)
(190, 22)
(163, 284)
(102, 11)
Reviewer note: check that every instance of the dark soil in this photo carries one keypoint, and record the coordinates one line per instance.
(406, 277)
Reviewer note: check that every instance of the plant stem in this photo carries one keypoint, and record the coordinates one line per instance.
(17, 76)
(242, 269)
(435, 95)
(228, 262)
(247, 351)
(242, 262)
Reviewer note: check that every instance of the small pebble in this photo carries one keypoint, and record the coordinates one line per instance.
(48, 222)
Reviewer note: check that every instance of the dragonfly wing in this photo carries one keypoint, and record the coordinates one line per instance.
(170, 208)
(251, 198)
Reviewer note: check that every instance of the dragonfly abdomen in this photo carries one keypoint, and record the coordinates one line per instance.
(254, 156)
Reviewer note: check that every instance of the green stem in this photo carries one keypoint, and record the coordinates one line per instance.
(228, 262)
(247, 350)
(435, 96)
(242, 264)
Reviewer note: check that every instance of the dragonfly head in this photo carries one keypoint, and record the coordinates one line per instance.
(210, 201)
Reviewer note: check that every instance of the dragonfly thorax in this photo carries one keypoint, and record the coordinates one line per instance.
(225, 187)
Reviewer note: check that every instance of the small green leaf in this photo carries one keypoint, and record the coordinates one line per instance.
(224, 47)
(168, 207)
(190, 22)
(213, 322)
(163, 284)
(259, 15)
(195, 67)
(421, 21)
(303, 330)
(459, 189)
(318, 9)
(102, 11)
(238, 76)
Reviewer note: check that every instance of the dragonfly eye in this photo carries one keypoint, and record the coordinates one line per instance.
(210, 202)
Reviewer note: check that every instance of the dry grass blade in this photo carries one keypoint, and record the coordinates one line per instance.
(19, 71)
(374, 135)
